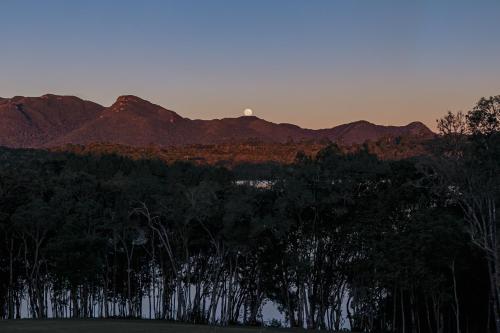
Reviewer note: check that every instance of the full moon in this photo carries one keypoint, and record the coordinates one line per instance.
(247, 112)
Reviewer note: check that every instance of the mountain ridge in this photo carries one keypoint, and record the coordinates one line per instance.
(54, 120)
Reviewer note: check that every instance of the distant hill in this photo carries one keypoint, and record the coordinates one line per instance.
(234, 154)
(37, 121)
(51, 121)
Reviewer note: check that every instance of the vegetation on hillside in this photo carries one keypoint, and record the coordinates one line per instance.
(404, 245)
(253, 152)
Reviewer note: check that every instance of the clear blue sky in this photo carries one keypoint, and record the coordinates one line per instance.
(311, 62)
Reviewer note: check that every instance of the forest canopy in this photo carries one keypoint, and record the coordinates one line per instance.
(336, 240)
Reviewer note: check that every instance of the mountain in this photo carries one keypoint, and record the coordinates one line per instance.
(361, 131)
(52, 120)
(131, 121)
(35, 121)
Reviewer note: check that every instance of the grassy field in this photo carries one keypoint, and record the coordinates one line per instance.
(119, 326)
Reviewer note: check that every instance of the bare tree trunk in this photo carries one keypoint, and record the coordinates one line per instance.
(457, 305)
(11, 281)
(403, 324)
(394, 309)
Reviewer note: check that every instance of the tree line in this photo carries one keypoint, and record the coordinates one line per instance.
(335, 240)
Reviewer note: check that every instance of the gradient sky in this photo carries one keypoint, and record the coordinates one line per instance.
(311, 62)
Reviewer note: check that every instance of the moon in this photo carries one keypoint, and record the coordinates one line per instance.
(248, 112)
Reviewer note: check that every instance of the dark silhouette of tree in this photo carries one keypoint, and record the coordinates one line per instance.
(469, 164)
(339, 239)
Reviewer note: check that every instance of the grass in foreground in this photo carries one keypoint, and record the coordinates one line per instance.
(119, 326)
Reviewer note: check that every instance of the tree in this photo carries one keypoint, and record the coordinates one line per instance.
(468, 162)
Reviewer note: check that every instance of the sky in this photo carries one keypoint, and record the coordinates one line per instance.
(315, 63)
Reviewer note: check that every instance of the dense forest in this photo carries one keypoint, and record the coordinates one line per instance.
(253, 151)
(335, 240)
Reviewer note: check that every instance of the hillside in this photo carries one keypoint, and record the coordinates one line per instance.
(35, 121)
(51, 120)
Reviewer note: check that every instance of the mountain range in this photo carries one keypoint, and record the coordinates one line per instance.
(52, 120)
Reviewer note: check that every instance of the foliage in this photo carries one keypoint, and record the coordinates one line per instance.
(341, 239)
